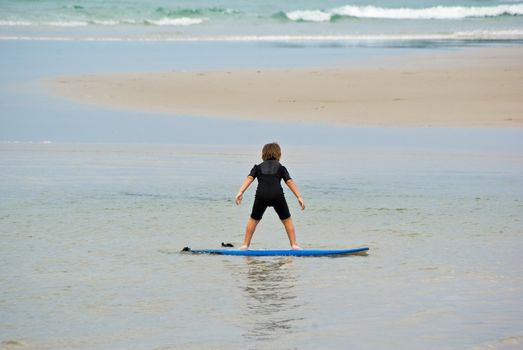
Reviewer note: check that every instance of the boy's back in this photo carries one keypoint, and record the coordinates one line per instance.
(269, 174)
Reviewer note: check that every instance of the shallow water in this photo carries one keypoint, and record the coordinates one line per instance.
(240, 20)
(91, 233)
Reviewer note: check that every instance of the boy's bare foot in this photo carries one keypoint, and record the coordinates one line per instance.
(244, 247)
(295, 247)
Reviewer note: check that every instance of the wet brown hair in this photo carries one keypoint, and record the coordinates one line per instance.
(271, 151)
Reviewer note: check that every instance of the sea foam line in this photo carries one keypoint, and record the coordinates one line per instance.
(180, 21)
(470, 35)
(437, 12)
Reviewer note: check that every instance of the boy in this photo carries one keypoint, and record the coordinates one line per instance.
(270, 193)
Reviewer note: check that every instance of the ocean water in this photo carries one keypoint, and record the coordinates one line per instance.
(91, 235)
(261, 20)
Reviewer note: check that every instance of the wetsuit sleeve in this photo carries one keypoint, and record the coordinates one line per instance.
(254, 172)
(285, 174)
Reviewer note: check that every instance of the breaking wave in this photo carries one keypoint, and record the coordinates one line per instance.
(437, 12)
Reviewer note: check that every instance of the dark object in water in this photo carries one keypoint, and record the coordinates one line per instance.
(227, 245)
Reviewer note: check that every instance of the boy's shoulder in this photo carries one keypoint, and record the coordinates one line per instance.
(270, 166)
(270, 162)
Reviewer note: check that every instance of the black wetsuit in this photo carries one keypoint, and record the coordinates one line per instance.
(269, 192)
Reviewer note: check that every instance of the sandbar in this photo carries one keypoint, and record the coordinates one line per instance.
(463, 88)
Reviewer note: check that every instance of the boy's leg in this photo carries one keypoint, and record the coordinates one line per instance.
(249, 231)
(289, 228)
(282, 209)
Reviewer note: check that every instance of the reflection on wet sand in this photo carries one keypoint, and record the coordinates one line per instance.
(271, 298)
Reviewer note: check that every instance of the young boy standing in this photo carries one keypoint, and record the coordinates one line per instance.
(270, 193)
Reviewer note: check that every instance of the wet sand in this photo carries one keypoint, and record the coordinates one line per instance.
(466, 88)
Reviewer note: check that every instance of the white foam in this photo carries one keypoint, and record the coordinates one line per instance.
(50, 24)
(66, 24)
(310, 16)
(16, 23)
(465, 35)
(182, 21)
(438, 12)
(487, 34)
(106, 22)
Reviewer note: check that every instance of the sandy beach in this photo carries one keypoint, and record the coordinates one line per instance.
(465, 88)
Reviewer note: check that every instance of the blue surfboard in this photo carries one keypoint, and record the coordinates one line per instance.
(280, 252)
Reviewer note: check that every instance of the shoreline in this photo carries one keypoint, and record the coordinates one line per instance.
(479, 87)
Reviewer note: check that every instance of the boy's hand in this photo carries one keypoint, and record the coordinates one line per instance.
(302, 203)
(239, 198)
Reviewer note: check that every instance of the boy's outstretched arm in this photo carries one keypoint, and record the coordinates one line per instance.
(296, 192)
(246, 183)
